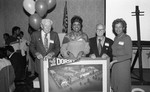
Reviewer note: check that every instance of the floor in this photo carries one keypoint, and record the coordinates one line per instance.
(27, 85)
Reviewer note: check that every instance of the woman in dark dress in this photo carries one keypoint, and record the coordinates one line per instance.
(122, 54)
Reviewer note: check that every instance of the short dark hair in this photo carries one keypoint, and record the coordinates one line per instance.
(76, 18)
(15, 28)
(2, 52)
(6, 34)
(22, 32)
(119, 20)
(9, 48)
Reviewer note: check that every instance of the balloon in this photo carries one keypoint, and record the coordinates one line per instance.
(29, 6)
(41, 7)
(50, 3)
(34, 21)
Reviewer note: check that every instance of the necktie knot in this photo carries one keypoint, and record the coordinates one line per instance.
(99, 40)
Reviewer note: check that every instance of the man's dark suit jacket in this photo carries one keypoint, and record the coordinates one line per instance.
(19, 64)
(36, 45)
(105, 49)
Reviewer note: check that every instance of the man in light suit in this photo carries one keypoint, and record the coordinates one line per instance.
(105, 42)
(37, 45)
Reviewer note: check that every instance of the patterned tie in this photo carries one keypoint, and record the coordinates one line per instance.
(99, 46)
(46, 42)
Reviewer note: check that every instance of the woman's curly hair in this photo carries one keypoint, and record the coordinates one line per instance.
(119, 20)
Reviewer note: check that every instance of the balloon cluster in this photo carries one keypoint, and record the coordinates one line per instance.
(37, 9)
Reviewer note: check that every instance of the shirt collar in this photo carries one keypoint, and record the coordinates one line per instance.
(100, 38)
(43, 32)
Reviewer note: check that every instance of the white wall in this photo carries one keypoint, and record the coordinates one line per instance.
(122, 9)
(2, 28)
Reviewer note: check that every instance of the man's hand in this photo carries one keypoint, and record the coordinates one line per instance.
(49, 55)
(104, 56)
(39, 55)
(93, 56)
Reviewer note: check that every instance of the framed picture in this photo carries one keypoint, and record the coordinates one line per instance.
(85, 75)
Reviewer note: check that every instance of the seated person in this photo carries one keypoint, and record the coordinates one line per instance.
(7, 75)
(18, 63)
(100, 46)
(75, 44)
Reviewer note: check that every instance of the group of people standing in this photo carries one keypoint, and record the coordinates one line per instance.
(76, 44)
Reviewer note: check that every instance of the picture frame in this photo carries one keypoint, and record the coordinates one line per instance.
(84, 75)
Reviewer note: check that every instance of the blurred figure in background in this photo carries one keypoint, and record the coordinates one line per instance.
(7, 75)
(6, 38)
(30, 57)
(23, 44)
(17, 62)
(14, 38)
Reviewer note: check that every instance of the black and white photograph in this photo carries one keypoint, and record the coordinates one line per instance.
(75, 45)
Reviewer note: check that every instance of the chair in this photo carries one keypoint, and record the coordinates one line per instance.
(137, 90)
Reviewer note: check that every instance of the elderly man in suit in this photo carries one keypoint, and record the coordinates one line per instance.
(100, 45)
(44, 43)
